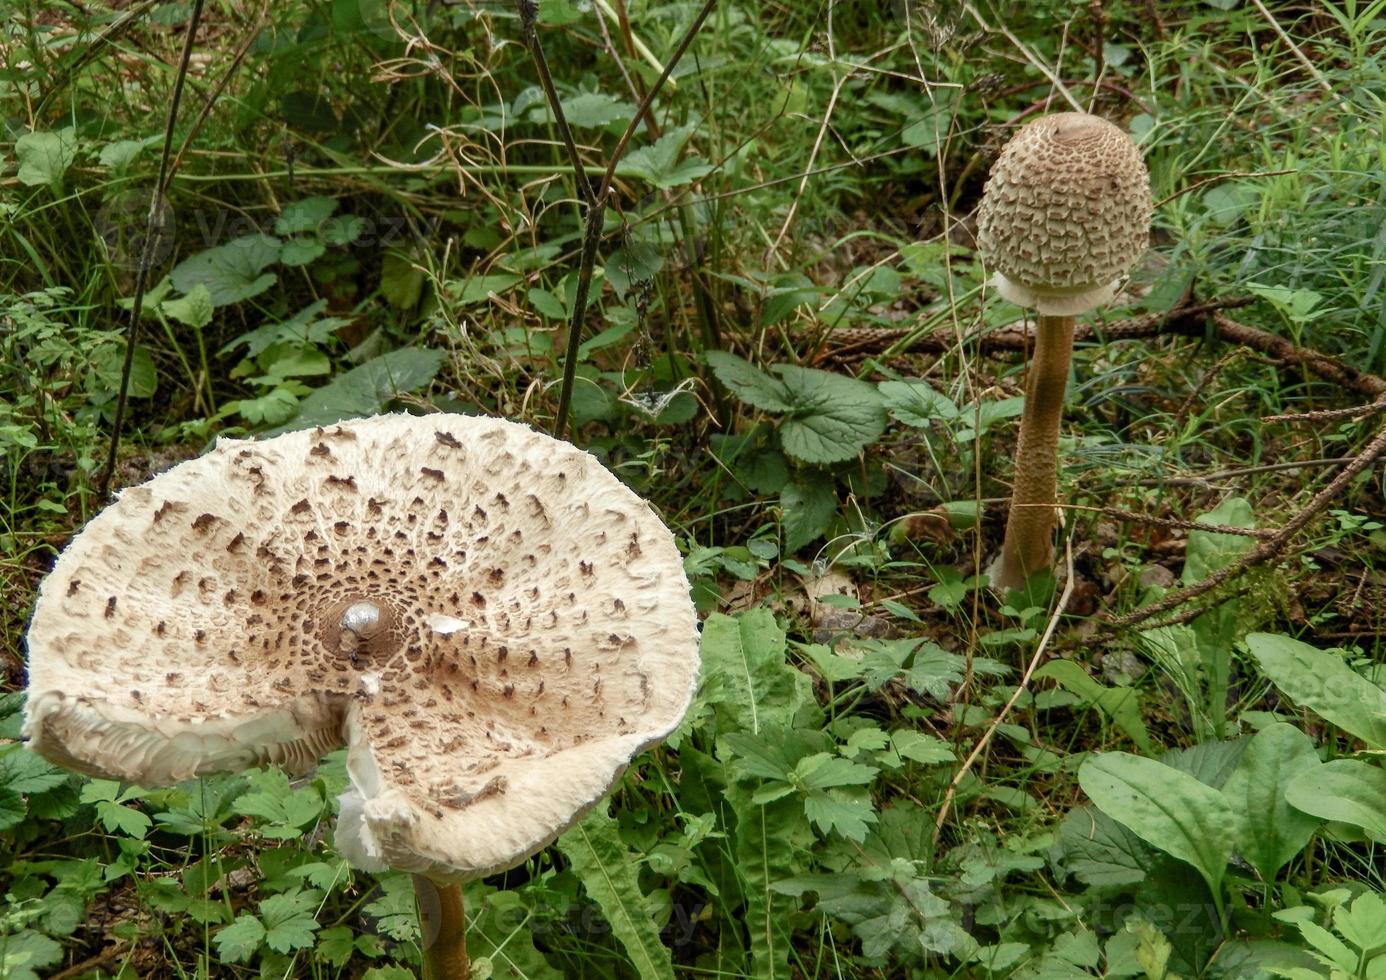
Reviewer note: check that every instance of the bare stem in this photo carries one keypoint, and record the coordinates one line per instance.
(1028, 545)
(444, 929)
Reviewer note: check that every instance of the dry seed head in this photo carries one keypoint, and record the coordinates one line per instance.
(1065, 213)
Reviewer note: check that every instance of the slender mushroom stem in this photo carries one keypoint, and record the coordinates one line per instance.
(1028, 546)
(444, 929)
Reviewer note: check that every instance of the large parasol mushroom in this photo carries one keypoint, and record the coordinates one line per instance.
(1065, 215)
(490, 621)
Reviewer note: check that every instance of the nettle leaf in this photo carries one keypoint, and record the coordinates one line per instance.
(1344, 790)
(659, 164)
(748, 383)
(238, 942)
(833, 417)
(1166, 808)
(1323, 683)
(916, 403)
(25, 773)
(12, 809)
(1099, 851)
(1275, 830)
(610, 875)
(233, 272)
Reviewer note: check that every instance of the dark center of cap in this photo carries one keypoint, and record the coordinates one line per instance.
(360, 630)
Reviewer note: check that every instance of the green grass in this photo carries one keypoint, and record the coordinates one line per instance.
(820, 166)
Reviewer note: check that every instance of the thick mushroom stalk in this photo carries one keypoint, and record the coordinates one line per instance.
(1064, 216)
(489, 621)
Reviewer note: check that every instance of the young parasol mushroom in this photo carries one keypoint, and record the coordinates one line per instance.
(491, 622)
(1065, 215)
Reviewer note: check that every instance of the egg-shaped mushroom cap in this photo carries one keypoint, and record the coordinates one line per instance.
(1065, 213)
(490, 621)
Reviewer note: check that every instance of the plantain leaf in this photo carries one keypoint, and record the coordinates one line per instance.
(1167, 809)
(1323, 683)
(1275, 831)
(1344, 790)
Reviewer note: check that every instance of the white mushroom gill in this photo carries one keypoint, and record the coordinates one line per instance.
(488, 619)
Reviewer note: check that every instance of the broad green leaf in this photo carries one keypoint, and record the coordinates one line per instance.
(1323, 683)
(336, 945)
(745, 676)
(1274, 831)
(921, 748)
(849, 815)
(365, 390)
(981, 416)
(305, 216)
(307, 327)
(1120, 704)
(496, 930)
(808, 505)
(1209, 551)
(27, 954)
(1166, 808)
(118, 154)
(480, 289)
(659, 164)
(586, 110)
(300, 251)
(238, 942)
(833, 417)
(1344, 790)
(916, 403)
(401, 281)
(12, 809)
(283, 809)
(1331, 951)
(747, 382)
(232, 272)
(194, 309)
(823, 770)
(609, 873)
(45, 157)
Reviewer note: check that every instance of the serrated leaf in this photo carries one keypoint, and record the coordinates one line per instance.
(25, 953)
(1324, 684)
(194, 309)
(1363, 923)
(238, 942)
(233, 272)
(284, 810)
(839, 813)
(117, 817)
(833, 417)
(745, 675)
(1275, 830)
(747, 382)
(586, 110)
(1166, 808)
(823, 770)
(659, 164)
(608, 871)
(921, 748)
(336, 945)
(24, 772)
(916, 403)
(289, 922)
(401, 281)
(12, 809)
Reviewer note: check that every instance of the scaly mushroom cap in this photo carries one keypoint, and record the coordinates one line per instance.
(1065, 213)
(491, 621)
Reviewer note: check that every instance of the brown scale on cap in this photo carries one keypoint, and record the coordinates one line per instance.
(356, 597)
(1065, 213)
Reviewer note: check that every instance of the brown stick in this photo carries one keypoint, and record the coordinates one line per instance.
(1028, 546)
(444, 928)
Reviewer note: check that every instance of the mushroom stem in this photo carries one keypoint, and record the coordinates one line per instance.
(444, 929)
(1028, 546)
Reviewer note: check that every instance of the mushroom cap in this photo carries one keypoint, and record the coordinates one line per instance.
(490, 621)
(1065, 213)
